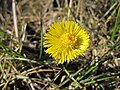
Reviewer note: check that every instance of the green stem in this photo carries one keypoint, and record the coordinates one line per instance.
(41, 40)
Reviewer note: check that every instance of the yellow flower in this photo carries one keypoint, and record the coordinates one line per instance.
(66, 40)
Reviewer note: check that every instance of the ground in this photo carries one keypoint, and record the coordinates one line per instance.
(24, 63)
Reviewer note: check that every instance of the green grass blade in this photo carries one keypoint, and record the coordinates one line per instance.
(116, 27)
(99, 61)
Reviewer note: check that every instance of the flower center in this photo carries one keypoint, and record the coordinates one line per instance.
(68, 39)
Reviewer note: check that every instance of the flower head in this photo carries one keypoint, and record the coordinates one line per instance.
(66, 40)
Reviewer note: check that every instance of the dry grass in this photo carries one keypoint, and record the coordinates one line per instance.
(23, 63)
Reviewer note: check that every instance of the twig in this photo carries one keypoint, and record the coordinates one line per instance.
(69, 11)
(15, 18)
